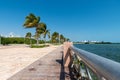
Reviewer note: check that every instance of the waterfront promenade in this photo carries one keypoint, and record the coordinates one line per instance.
(26, 63)
(17, 57)
(48, 67)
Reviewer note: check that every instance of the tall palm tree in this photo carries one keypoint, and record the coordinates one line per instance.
(37, 36)
(46, 33)
(41, 29)
(62, 38)
(55, 37)
(32, 22)
(28, 35)
(68, 39)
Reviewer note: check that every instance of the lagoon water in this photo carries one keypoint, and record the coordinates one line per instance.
(110, 51)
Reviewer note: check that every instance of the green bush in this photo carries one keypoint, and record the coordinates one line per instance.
(19, 40)
(13, 40)
(39, 46)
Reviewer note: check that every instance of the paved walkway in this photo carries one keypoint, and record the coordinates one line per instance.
(48, 67)
(15, 58)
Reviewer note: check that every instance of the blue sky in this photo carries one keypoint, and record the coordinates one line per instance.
(76, 19)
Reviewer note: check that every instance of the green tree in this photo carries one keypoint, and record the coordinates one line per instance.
(33, 22)
(41, 30)
(28, 35)
(67, 39)
(62, 38)
(55, 37)
(46, 33)
(36, 36)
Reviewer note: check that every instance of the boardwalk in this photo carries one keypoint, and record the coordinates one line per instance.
(17, 57)
(48, 67)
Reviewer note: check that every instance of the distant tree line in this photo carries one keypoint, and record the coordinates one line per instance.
(102, 42)
(32, 21)
(28, 40)
(41, 32)
(18, 40)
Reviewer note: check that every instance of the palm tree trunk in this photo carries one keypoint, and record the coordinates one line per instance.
(24, 40)
(45, 40)
(37, 42)
(30, 42)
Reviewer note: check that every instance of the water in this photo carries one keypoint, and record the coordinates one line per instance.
(110, 51)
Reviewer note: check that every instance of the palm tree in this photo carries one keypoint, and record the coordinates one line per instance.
(68, 39)
(41, 29)
(62, 38)
(28, 35)
(32, 22)
(36, 36)
(55, 37)
(47, 32)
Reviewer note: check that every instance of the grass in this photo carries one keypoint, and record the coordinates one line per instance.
(56, 43)
(39, 46)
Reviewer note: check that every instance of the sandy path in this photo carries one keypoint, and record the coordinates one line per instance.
(12, 60)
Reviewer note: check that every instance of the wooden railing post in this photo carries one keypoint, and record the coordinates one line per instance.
(66, 56)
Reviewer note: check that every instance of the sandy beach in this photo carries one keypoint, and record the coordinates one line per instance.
(15, 58)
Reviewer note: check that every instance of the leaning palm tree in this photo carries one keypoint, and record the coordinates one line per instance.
(55, 37)
(37, 36)
(68, 39)
(28, 35)
(41, 29)
(62, 38)
(32, 22)
(47, 32)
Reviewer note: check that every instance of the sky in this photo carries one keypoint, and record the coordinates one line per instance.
(78, 20)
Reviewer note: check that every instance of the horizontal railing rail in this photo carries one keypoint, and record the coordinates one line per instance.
(105, 68)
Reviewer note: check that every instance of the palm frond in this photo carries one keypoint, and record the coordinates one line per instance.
(31, 21)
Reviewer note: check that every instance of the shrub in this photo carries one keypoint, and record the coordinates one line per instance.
(39, 46)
